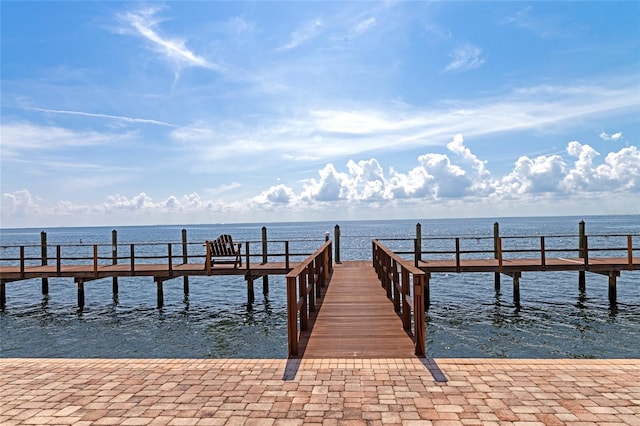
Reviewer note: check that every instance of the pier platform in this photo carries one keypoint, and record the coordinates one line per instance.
(335, 391)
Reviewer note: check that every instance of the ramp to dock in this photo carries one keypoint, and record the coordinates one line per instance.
(356, 319)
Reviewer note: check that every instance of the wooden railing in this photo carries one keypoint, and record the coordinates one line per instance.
(130, 256)
(304, 286)
(396, 276)
(625, 247)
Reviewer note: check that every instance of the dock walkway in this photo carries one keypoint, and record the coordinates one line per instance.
(356, 319)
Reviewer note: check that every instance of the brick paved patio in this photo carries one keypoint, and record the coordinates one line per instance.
(319, 391)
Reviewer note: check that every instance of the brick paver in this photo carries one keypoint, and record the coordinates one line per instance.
(319, 391)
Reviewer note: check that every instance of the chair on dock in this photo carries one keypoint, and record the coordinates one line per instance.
(223, 250)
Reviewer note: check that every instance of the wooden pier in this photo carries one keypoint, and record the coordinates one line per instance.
(356, 320)
(360, 309)
(355, 309)
(84, 263)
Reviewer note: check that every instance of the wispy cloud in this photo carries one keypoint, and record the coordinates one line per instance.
(309, 31)
(465, 58)
(144, 23)
(331, 133)
(107, 116)
(364, 26)
(542, 26)
(18, 137)
(607, 137)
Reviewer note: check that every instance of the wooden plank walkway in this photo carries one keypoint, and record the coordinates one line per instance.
(356, 319)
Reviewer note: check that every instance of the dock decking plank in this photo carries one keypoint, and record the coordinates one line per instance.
(356, 320)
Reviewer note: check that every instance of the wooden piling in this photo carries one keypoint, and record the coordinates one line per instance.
(496, 236)
(251, 295)
(160, 293)
(3, 294)
(114, 260)
(613, 292)
(582, 284)
(336, 238)
(427, 291)
(185, 260)
(265, 259)
(418, 244)
(516, 288)
(43, 252)
(80, 283)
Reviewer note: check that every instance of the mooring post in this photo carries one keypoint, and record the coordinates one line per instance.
(292, 316)
(496, 235)
(251, 295)
(3, 294)
(516, 288)
(582, 284)
(160, 293)
(613, 293)
(80, 283)
(43, 252)
(114, 259)
(418, 244)
(427, 295)
(185, 260)
(265, 259)
(336, 237)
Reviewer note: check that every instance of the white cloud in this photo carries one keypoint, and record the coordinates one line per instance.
(543, 26)
(531, 176)
(331, 186)
(144, 23)
(607, 137)
(18, 203)
(278, 195)
(309, 31)
(464, 58)
(22, 137)
(327, 134)
(364, 26)
(436, 181)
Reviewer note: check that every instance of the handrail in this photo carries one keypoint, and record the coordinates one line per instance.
(396, 275)
(540, 247)
(24, 256)
(304, 285)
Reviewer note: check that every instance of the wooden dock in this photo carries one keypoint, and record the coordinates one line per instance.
(159, 272)
(356, 319)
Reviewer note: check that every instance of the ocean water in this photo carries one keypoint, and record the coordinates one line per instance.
(466, 318)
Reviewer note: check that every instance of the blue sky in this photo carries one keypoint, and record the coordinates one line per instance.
(119, 113)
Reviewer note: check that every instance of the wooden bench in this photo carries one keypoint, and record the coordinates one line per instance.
(223, 250)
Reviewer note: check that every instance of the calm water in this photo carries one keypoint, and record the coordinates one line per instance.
(467, 317)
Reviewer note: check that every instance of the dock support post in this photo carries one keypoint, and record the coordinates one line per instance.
(582, 284)
(43, 250)
(496, 235)
(419, 315)
(80, 283)
(516, 288)
(336, 237)
(251, 295)
(160, 292)
(292, 316)
(613, 292)
(418, 244)
(427, 294)
(3, 294)
(265, 259)
(185, 260)
(114, 260)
